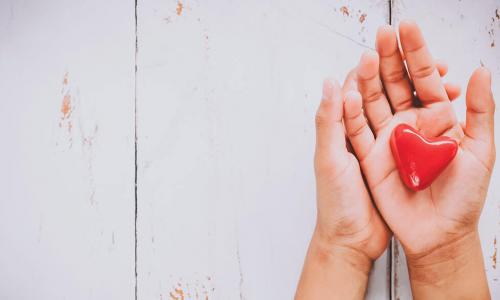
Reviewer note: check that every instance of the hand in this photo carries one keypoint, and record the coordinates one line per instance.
(349, 232)
(436, 226)
(346, 214)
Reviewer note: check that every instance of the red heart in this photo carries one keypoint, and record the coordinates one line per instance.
(420, 160)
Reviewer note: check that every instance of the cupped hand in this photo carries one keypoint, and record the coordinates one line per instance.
(448, 210)
(347, 217)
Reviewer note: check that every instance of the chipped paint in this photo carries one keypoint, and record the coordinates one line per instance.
(177, 294)
(491, 29)
(66, 106)
(362, 18)
(66, 110)
(191, 289)
(79, 128)
(344, 10)
(66, 101)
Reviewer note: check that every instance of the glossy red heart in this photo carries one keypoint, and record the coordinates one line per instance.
(420, 160)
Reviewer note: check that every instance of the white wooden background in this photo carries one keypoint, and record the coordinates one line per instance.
(163, 149)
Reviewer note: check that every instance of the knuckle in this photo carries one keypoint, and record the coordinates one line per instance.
(383, 122)
(357, 131)
(403, 103)
(322, 118)
(423, 71)
(395, 76)
(373, 96)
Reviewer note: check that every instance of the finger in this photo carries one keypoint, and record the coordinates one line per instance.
(393, 70)
(442, 68)
(350, 83)
(452, 90)
(330, 137)
(421, 65)
(480, 107)
(358, 131)
(375, 104)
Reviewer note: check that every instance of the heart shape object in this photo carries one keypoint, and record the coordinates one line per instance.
(420, 160)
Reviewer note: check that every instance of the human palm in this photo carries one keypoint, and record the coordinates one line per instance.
(449, 209)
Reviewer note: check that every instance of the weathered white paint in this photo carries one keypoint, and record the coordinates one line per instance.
(67, 154)
(226, 98)
(464, 34)
(226, 94)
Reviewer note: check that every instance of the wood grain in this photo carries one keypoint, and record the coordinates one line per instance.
(67, 155)
(227, 93)
(222, 97)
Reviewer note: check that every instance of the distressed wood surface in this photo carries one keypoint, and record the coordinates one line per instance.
(464, 34)
(226, 97)
(221, 96)
(67, 155)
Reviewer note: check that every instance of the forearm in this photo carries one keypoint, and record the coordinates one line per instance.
(332, 272)
(455, 271)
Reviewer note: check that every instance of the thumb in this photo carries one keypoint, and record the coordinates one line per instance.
(479, 126)
(330, 136)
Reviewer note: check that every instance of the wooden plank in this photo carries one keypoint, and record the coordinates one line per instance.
(463, 33)
(67, 155)
(226, 98)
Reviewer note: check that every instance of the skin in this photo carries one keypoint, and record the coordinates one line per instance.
(349, 233)
(437, 226)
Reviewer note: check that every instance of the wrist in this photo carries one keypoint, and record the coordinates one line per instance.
(453, 269)
(443, 261)
(333, 272)
(349, 258)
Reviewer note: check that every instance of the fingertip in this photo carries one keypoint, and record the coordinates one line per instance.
(410, 35)
(350, 85)
(368, 64)
(453, 90)
(327, 90)
(386, 41)
(350, 81)
(480, 103)
(352, 103)
(478, 82)
(407, 25)
(479, 123)
(484, 74)
(330, 86)
(328, 119)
